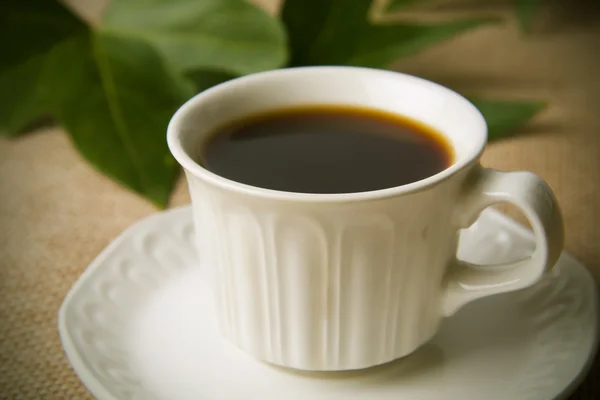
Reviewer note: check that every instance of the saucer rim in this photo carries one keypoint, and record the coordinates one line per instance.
(99, 391)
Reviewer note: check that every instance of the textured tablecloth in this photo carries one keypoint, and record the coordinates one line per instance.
(57, 213)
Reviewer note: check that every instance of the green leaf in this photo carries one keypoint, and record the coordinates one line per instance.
(228, 35)
(115, 97)
(115, 88)
(28, 31)
(31, 27)
(20, 102)
(205, 79)
(323, 32)
(384, 44)
(505, 117)
(526, 12)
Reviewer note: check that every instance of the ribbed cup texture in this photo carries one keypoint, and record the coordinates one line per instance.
(332, 287)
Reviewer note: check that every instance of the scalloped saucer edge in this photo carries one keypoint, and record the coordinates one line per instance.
(138, 324)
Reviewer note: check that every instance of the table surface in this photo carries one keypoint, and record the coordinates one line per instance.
(57, 213)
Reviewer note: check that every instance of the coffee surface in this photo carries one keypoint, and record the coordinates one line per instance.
(325, 149)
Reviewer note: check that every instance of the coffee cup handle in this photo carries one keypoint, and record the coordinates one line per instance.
(465, 282)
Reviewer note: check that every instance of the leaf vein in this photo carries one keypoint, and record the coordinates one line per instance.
(109, 88)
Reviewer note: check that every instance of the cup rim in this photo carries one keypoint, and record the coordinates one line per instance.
(184, 159)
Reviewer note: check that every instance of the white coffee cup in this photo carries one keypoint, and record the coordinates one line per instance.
(348, 281)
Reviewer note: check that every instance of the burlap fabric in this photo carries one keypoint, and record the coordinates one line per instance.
(57, 213)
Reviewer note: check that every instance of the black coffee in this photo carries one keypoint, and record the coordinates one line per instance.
(325, 149)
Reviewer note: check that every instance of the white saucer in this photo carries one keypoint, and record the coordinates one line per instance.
(138, 325)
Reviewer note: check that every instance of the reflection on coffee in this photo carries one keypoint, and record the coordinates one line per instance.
(325, 149)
